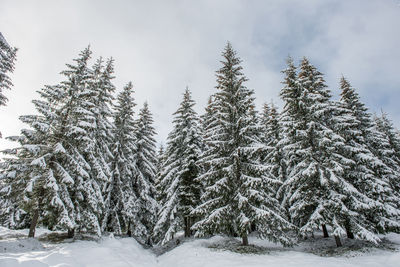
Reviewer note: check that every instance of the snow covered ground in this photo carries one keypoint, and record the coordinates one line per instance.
(15, 250)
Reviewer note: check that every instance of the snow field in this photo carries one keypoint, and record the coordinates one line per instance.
(109, 252)
(116, 252)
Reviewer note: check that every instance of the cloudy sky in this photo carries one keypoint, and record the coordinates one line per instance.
(164, 46)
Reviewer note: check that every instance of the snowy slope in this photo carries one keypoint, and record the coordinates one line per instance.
(113, 252)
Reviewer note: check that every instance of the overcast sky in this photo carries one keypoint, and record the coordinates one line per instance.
(164, 46)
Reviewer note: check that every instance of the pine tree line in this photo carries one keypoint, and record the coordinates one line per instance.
(87, 164)
(317, 164)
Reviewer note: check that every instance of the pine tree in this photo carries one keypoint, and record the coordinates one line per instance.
(120, 199)
(206, 121)
(290, 93)
(392, 155)
(272, 135)
(237, 194)
(160, 192)
(316, 191)
(12, 184)
(160, 161)
(37, 178)
(387, 149)
(145, 158)
(101, 85)
(368, 173)
(179, 188)
(264, 119)
(7, 64)
(76, 127)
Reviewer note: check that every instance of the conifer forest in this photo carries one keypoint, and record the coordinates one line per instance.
(320, 167)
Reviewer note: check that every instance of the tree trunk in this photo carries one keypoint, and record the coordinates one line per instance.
(349, 234)
(338, 242)
(191, 220)
(35, 218)
(129, 233)
(348, 230)
(325, 231)
(253, 227)
(245, 240)
(71, 233)
(187, 226)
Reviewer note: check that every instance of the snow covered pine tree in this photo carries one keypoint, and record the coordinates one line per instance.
(318, 191)
(368, 172)
(392, 144)
(144, 187)
(120, 199)
(236, 195)
(76, 129)
(7, 62)
(46, 170)
(63, 188)
(180, 189)
(272, 135)
(102, 87)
